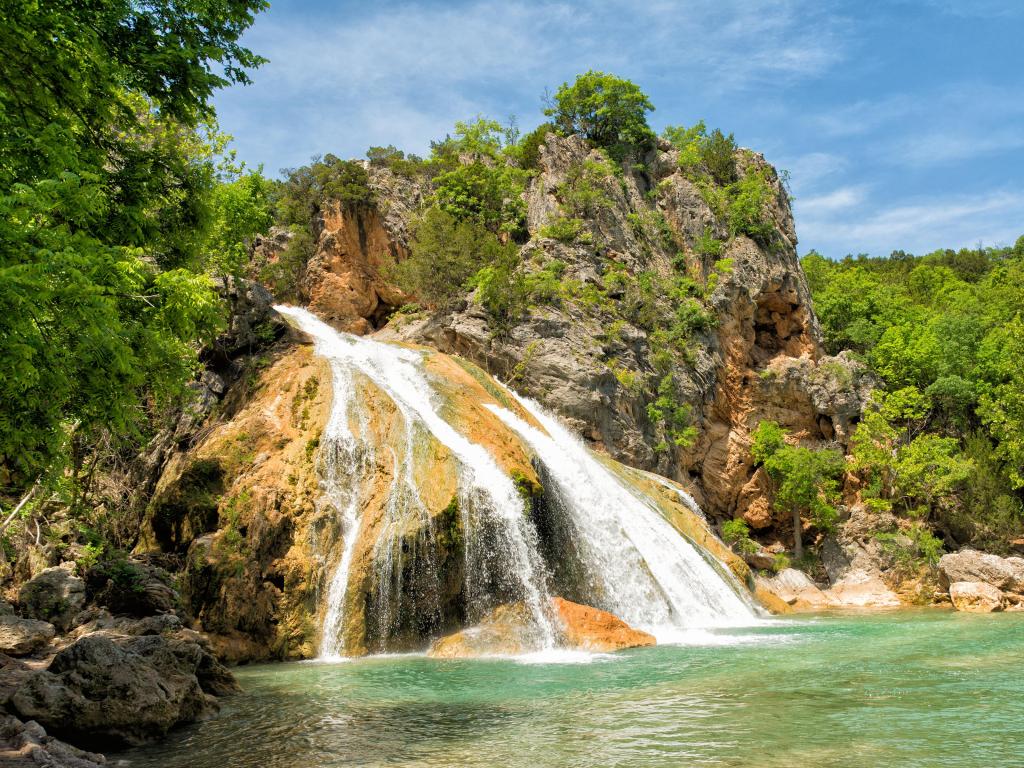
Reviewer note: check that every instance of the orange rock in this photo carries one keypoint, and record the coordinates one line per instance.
(591, 629)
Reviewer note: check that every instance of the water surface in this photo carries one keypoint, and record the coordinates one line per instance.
(918, 688)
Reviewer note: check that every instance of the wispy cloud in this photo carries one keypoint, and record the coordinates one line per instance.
(841, 199)
(938, 222)
(405, 75)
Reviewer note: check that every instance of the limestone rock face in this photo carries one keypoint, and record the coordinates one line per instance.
(54, 595)
(968, 565)
(976, 597)
(20, 637)
(131, 588)
(108, 690)
(343, 282)
(761, 359)
(238, 508)
(252, 319)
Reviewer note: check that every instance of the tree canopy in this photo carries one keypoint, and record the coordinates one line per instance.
(107, 164)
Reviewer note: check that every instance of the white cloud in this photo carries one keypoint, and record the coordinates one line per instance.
(841, 199)
(405, 74)
(939, 147)
(993, 218)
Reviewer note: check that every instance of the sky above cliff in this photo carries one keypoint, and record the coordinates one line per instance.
(900, 122)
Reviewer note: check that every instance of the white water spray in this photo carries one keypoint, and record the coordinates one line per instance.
(651, 575)
(483, 486)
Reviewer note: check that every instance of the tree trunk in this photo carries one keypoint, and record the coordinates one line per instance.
(798, 541)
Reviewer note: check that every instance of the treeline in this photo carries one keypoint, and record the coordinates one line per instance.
(943, 442)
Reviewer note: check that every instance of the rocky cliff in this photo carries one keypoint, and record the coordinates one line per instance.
(596, 354)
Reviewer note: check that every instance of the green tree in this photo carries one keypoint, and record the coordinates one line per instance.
(106, 169)
(806, 481)
(445, 255)
(604, 109)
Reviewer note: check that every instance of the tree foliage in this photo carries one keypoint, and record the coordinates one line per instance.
(106, 168)
(806, 480)
(944, 334)
(607, 110)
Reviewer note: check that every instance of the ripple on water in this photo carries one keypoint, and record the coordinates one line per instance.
(915, 690)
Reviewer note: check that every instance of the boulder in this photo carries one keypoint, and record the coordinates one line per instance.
(860, 589)
(20, 637)
(130, 588)
(55, 595)
(108, 690)
(591, 629)
(252, 320)
(1005, 574)
(797, 590)
(505, 632)
(508, 631)
(976, 597)
(28, 744)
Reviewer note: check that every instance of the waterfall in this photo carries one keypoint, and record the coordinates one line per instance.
(647, 572)
(500, 547)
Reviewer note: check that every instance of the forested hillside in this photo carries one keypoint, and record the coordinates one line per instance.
(942, 442)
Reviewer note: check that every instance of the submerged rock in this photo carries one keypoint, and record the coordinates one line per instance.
(111, 690)
(976, 597)
(20, 637)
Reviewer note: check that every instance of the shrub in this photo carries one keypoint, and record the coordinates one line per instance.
(302, 194)
(737, 534)
(487, 194)
(396, 160)
(717, 152)
(528, 148)
(748, 201)
(566, 230)
(445, 254)
(607, 110)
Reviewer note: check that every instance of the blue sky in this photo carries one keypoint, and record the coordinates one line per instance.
(901, 122)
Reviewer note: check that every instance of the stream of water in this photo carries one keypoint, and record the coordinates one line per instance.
(914, 689)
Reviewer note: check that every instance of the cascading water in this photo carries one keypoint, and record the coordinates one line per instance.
(489, 503)
(646, 572)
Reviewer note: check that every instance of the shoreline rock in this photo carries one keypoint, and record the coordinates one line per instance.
(113, 690)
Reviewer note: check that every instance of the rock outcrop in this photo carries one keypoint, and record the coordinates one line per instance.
(509, 632)
(54, 595)
(20, 637)
(982, 582)
(27, 744)
(107, 690)
(590, 629)
(976, 597)
(758, 358)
